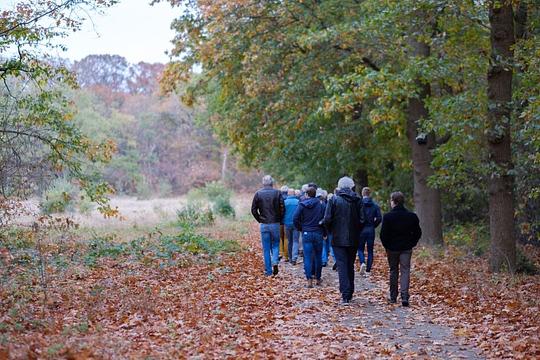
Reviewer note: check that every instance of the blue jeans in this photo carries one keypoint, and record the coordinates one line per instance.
(270, 245)
(312, 254)
(292, 241)
(367, 237)
(327, 248)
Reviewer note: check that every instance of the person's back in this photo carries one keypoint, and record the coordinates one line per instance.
(347, 218)
(267, 206)
(372, 219)
(291, 203)
(372, 213)
(400, 230)
(311, 215)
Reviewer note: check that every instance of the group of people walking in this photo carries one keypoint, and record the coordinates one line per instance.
(341, 224)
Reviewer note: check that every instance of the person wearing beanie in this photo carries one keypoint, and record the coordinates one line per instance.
(344, 219)
(372, 218)
(268, 209)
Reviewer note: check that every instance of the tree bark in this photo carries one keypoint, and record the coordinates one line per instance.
(500, 182)
(427, 200)
(225, 154)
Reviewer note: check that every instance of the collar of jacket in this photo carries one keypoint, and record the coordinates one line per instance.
(399, 208)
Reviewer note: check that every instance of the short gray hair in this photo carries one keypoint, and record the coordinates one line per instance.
(304, 187)
(345, 183)
(267, 180)
(284, 188)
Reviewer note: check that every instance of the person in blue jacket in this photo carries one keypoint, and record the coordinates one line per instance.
(372, 219)
(308, 220)
(291, 203)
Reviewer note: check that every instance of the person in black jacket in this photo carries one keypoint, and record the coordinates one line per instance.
(400, 233)
(308, 220)
(268, 209)
(344, 219)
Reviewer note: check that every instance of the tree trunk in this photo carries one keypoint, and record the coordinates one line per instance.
(224, 165)
(360, 179)
(500, 182)
(427, 200)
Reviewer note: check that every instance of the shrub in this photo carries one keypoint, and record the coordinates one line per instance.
(524, 264)
(195, 214)
(223, 207)
(60, 197)
(473, 237)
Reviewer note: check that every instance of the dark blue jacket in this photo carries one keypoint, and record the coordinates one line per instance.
(308, 216)
(372, 214)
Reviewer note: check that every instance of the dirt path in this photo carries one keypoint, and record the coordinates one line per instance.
(378, 329)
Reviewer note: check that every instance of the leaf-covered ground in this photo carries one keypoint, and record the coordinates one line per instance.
(226, 308)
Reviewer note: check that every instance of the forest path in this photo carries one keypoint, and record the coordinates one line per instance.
(314, 325)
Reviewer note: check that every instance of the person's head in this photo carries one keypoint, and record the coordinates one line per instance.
(311, 191)
(396, 199)
(366, 192)
(285, 189)
(304, 188)
(345, 183)
(313, 185)
(267, 180)
(292, 192)
(321, 194)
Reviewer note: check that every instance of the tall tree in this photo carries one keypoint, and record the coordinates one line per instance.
(499, 89)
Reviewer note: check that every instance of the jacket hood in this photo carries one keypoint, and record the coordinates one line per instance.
(368, 201)
(348, 195)
(310, 202)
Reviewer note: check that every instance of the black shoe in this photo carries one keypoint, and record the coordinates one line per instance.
(275, 270)
(392, 301)
(405, 303)
(345, 302)
(334, 267)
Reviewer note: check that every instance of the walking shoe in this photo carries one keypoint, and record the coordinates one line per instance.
(293, 262)
(362, 268)
(275, 270)
(367, 275)
(319, 282)
(345, 302)
(334, 267)
(310, 283)
(405, 303)
(392, 301)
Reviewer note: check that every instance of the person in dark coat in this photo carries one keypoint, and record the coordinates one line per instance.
(372, 219)
(344, 219)
(400, 233)
(308, 220)
(268, 209)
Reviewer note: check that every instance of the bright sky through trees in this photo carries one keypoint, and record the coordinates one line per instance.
(131, 28)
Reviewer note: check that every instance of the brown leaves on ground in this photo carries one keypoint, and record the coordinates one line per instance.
(230, 310)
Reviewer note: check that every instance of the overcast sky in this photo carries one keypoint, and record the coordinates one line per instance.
(132, 29)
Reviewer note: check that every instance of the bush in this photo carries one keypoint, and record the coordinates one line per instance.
(223, 207)
(473, 237)
(215, 193)
(524, 264)
(61, 196)
(195, 214)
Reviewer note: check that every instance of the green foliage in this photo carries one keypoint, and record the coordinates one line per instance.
(473, 237)
(194, 214)
(525, 264)
(64, 196)
(215, 193)
(222, 206)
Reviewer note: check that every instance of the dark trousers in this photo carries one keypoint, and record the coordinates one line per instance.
(399, 262)
(345, 257)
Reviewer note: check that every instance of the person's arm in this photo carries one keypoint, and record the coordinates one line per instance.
(328, 215)
(378, 216)
(417, 231)
(361, 217)
(297, 218)
(255, 208)
(281, 208)
(385, 231)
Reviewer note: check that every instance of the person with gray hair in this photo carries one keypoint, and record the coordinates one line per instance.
(268, 209)
(344, 219)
